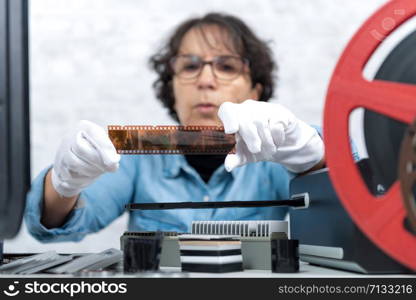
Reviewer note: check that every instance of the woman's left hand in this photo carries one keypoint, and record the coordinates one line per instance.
(270, 132)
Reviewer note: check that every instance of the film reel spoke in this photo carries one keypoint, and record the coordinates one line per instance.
(395, 100)
(393, 236)
(384, 212)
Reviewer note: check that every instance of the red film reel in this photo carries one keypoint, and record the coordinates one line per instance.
(380, 218)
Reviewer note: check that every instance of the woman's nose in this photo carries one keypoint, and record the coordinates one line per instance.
(206, 78)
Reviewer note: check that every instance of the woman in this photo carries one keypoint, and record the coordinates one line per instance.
(212, 71)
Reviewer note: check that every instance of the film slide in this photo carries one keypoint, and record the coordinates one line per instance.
(198, 140)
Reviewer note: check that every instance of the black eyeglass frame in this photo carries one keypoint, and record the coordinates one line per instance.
(245, 62)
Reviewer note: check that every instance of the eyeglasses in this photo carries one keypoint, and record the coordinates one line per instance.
(225, 67)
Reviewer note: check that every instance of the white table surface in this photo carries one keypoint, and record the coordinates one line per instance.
(306, 271)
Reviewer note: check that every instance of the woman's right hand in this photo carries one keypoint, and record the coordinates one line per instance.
(83, 155)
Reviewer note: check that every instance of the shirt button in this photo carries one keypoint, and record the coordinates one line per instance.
(206, 198)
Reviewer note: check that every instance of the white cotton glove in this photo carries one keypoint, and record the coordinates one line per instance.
(270, 132)
(83, 156)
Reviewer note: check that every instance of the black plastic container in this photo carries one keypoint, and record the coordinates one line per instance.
(142, 253)
(285, 256)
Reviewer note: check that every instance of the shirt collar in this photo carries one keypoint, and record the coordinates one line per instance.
(174, 163)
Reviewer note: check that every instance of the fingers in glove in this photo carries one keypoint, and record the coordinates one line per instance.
(248, 132)
(86, 153)
(100, 142)
(277, 131)
(240, 157)
(78, 166)
(228, 114)
(232, 161)
(263, 129)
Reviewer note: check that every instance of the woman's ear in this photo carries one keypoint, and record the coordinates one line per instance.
(256, 91)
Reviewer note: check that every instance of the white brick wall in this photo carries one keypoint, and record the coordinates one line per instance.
(89, 61)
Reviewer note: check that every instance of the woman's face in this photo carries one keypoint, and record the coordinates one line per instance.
(197, 100)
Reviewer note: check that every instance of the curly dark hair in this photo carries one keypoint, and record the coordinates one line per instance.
(242, 40)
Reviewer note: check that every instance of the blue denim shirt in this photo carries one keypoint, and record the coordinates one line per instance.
(163, 178)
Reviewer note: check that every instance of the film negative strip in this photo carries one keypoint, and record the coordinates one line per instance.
(407, 174)
(210, 140)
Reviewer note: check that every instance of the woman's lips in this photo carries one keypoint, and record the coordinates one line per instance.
(206, 108)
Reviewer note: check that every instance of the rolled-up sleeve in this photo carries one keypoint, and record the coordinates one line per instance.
(97, 206)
